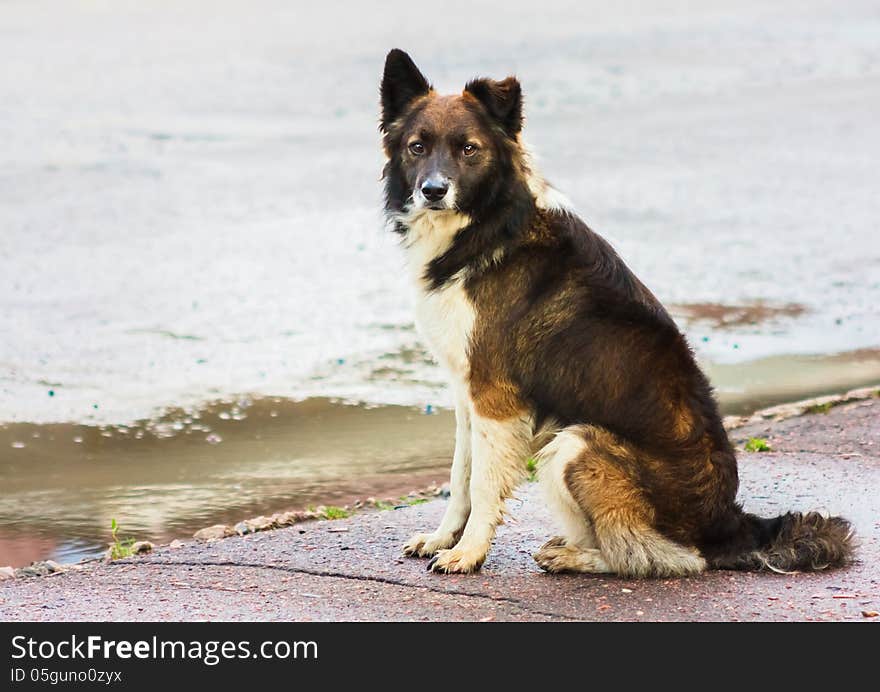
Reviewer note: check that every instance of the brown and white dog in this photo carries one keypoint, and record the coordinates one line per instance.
(555, 348)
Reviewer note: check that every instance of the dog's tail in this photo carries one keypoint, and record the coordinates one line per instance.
(791, 542)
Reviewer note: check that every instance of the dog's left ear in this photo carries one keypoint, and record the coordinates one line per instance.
(401, 83)
(502, 99)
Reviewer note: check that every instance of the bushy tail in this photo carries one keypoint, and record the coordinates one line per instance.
(788, 543)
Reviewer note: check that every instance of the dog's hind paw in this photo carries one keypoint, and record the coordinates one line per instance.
(554, 557)
(555, 542)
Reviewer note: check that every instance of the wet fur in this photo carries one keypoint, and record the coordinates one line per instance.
(543, 326)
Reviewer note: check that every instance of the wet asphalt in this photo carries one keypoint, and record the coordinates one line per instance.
(352, 569)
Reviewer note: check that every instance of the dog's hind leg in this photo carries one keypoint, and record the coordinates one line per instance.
(598, 471)
(577, 527)
(576, 550)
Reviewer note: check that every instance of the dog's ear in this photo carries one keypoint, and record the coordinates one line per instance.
(401, 83)
(502, 99)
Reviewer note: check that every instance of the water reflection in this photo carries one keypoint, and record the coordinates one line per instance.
(161, 479)
(164, 479)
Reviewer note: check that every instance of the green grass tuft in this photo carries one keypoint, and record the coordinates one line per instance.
(820, 408)
(757, 444)
(336, 513)
(532, 468)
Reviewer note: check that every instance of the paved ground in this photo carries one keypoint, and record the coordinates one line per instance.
(352, 569)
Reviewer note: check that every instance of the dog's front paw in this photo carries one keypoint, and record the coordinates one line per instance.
(457, 560)
(427, 544)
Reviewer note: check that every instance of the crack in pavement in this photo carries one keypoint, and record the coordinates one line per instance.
(359, 577)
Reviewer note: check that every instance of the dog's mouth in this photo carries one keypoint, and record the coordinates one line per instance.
(437, 206)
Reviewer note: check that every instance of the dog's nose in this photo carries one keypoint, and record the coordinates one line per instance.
(434, 190)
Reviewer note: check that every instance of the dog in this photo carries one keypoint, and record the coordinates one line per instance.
(555, 349)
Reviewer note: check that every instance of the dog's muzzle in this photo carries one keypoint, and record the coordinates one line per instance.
(434, 192)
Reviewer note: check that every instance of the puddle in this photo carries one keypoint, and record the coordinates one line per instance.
(165, 478)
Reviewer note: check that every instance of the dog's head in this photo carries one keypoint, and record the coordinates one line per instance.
(447, 152)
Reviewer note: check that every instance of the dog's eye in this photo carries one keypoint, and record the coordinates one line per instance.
(469, 149)
(417, 148)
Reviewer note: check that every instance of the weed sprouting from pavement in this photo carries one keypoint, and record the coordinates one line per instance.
(119, 549)
(757, 444)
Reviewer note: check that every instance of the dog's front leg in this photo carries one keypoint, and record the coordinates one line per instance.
(499, 449)
(459, 506)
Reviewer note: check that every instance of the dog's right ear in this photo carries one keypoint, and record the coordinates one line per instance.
(401, 83)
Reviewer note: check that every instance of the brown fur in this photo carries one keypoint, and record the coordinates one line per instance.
(604, 484)
(493, 397)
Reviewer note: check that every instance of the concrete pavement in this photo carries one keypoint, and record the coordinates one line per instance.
(352, 569)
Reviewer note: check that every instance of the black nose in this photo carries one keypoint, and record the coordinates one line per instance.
(434, 190)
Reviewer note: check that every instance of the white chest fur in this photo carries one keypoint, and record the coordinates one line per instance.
(444, 317)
